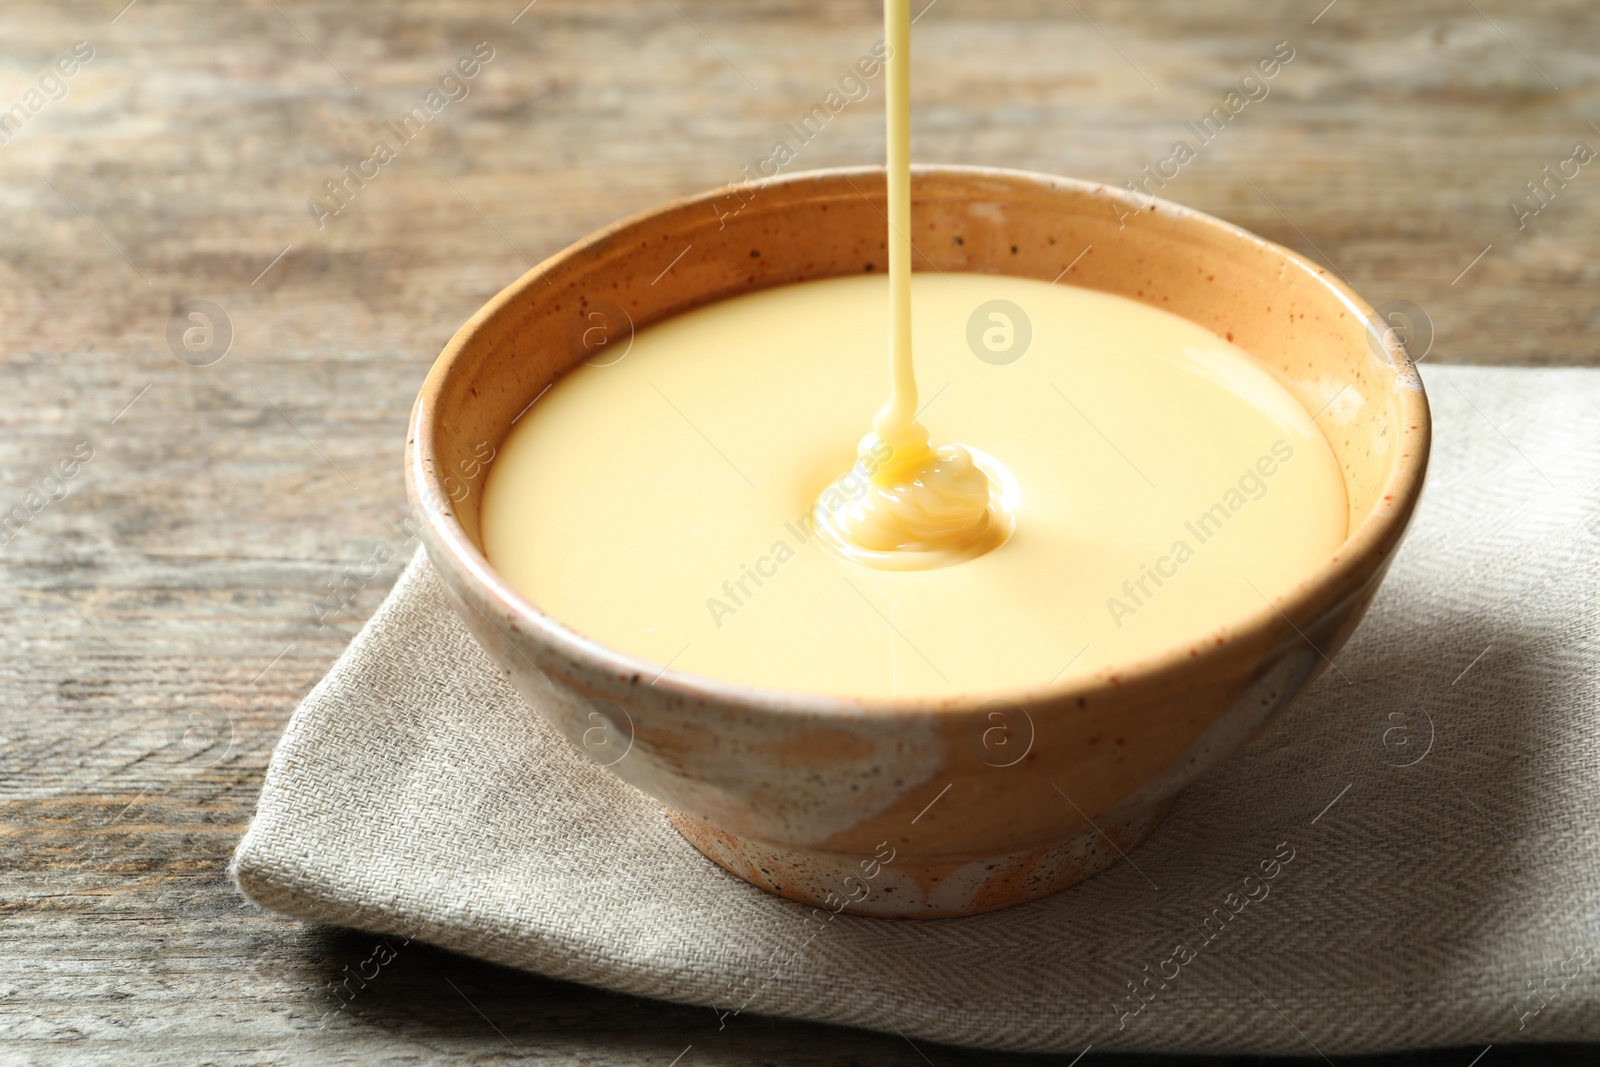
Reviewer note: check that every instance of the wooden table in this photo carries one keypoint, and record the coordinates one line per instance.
(159, 601)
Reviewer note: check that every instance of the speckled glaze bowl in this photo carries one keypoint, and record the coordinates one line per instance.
(922, 808)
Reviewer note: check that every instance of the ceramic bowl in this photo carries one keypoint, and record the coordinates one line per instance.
(901, 807)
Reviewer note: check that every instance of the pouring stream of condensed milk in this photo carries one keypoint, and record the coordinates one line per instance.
(922, 506)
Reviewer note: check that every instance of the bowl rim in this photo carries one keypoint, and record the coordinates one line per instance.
(1358, 558)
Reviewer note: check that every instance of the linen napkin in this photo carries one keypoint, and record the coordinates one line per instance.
(1431, 809)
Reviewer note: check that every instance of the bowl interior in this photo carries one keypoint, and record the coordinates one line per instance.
(1287, 313)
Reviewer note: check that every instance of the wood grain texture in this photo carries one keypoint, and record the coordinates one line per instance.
(160, 614)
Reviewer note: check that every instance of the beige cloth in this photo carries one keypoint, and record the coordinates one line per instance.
(1442, 810)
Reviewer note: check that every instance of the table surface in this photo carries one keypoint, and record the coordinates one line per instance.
(160, 602)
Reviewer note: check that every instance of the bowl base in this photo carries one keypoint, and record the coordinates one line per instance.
(892, 884)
